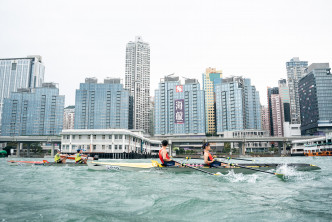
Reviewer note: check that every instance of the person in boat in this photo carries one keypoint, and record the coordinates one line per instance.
(78, 157)
(208, 158)
(164, 157)
(58, 159)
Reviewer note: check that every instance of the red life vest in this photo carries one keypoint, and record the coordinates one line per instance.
(161, 156)
(210, 157)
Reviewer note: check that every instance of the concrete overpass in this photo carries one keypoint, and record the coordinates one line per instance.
(30, 139)
(281, 141)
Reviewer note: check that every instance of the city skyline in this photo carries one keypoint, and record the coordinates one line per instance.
(79, 40)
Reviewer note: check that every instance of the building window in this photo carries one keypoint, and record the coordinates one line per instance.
(94, 136)
(89, 136)
(116, 137)
(103, 147)
(120, 137)
(103, 137)
(73, 137)
(79, 136)
(120, 147)
(109, 147)
(94, 147)
(110, 137)
(116, 147)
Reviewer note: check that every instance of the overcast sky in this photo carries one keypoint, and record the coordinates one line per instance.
(252, 38)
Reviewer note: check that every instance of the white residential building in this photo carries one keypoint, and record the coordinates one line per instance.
(137, 82)
(69, 117)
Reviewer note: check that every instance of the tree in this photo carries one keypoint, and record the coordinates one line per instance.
(227, 147)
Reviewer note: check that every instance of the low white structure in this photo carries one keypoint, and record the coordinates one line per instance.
(292, 129)
(107, 141)
(249, 133)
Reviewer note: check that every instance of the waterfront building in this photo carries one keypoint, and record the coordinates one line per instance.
(107, 141)
(270, 92)
(18, 73)
(284, 97)
(237, 105)
(37, 111)
(295, 71)
(210, 78)
(265, 119)
(315, 96)
(277, 115)
(69, 117)
(252, 106)
(137, 82)
(102, 105)
(179, 109)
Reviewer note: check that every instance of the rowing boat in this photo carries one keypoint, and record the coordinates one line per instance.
(42, 163)
(154, 165)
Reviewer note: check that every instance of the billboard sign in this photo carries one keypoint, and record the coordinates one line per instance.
(179, 111)
(179, 88)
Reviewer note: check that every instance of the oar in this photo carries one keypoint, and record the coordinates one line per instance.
(228, 158)
(249, 168)
(194, 168)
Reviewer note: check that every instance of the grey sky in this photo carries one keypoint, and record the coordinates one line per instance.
(79, 39)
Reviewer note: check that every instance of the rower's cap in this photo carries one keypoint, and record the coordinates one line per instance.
(58, 150)
(78, 150)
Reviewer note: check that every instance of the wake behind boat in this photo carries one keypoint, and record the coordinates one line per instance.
(42, 163)
(154, 165)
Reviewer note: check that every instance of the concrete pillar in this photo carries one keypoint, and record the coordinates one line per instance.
(284, 148)
(52, 150)
(28, 150)
(18, 147)
(244, 148)
(279, 148)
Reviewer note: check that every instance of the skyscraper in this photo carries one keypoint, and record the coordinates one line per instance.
(295, 71)
(316, 100)
(265, 119)
(16, 73)
(284, 96)
(102, 105)
(69, 117)
(210, 78)
(237, 105)
(277, 115)
(37, 111)
(137, 82)
(270, 92)
(179, 109)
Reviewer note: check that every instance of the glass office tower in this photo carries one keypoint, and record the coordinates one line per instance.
(237, 105)
(179, 109)
(16, 73)
(37, 111)
(102, 105)
(316, 100)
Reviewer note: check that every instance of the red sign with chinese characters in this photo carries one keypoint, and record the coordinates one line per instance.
(179, 88)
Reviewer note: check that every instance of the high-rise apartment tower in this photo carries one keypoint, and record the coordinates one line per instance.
(295, 71)
(137, 82)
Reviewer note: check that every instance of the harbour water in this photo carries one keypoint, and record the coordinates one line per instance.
(39, 193)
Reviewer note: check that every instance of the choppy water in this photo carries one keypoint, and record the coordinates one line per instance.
(38, 193)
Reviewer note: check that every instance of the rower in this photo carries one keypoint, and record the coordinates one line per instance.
(58, 159)
(78, 157)
(163, 156)
(208, 159)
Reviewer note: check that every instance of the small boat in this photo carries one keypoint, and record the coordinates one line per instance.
(154, 165)
(42, 163)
